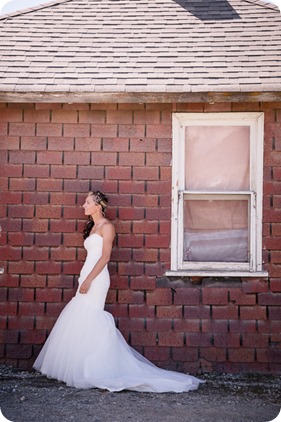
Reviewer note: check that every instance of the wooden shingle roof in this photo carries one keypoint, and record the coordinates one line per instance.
(132, 49)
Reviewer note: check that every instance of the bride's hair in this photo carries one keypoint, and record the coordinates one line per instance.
(100, 199)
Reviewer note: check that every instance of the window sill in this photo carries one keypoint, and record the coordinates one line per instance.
(188, 273)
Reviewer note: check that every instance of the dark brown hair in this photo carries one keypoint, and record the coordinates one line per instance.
(100, 199)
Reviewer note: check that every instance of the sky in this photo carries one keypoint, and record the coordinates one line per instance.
(8, 6)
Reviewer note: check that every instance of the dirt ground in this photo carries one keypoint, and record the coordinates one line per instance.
(30, 397)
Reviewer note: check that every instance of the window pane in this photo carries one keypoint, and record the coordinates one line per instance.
(217, 158)
(216, 231)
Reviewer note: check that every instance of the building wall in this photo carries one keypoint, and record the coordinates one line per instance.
(51, 155)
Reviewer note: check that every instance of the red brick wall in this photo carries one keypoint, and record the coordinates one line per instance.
(50, 153)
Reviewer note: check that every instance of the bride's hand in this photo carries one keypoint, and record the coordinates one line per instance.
(85, 287)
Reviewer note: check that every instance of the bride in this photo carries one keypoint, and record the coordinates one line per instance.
(85, 349)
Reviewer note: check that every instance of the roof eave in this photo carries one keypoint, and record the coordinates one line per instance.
(139, 97)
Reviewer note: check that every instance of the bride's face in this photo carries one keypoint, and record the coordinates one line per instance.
(90, 206)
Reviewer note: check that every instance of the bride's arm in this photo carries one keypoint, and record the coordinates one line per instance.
(108, 233)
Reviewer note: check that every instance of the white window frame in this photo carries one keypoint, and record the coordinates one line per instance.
(179, 267)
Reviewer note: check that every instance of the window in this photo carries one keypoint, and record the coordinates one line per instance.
(217, 194)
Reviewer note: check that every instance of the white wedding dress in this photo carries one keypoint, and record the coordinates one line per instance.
(86, 350)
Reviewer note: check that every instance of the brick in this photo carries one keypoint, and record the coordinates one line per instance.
(255, 286)
(147, 117)
(115, 144)
(11, 115)
(160, 188)
(214, 296)
(60, 144)
(169, 311)
(104, 158)
(38, 198)
(62, 225)
(87, 144)
(21, 267)
(53, 309)
(225, 312)
(145, 201)
(35, 254)
(131, 213)
(143, 339)
(158, 131)
(22, 157)
(119, 116)
(9, 143)
(162, 159)
(9, 308)
(156, 353)
(134, 324)
(274, 312)
(11, 170)
(118, 173)
(238, 326)
(33, 336)
(142, 144)
(35, 225)
(64, 116)
(36, 170)
(187, 325)
(66, 198)
(141, 311)
(131, 158)
(104, 130)
(130, 268)
(92, 116)
(35, 280)
(185, 296)
(213, 354)
(131, 131)
(130, 296)
(20, 322)
(79, 129)
(145, 255)
(269, 355)
(49, 157)
(170, 338)
(214, 326)
(142, 283)
(198, 311)
(63, 253)
(253, 312)
(49, 129)
(45, 323)
(269, 299)
(275, 285)
(159, 297)
(226, 340)
(33, 308)
(237, 296)
(3, 129)
(255, 340)
(242, 355)
(48, 267)
(146, 173)
(21, 295)
(24, 211)
(35, 116)
(48, 295)
(45, 211)
(63, 172)
(9, 253)
(48, 239)
(157, 241)
(19, 351)
(22, 129)
(198, 339)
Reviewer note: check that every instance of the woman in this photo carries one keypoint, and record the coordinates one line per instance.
(85, 349)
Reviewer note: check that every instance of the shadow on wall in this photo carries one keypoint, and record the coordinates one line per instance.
(209, 9)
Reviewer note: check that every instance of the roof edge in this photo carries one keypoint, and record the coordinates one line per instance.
(32, 9)
(264, 3)
(139, 97)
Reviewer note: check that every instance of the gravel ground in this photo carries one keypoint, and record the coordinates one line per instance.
(28, 396)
